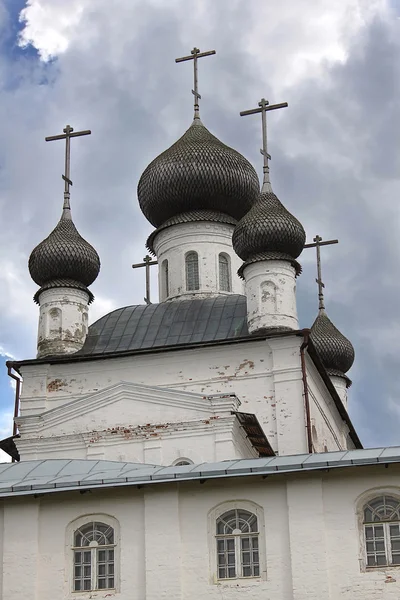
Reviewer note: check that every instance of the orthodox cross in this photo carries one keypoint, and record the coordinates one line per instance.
(318, 243)
(147, 262)
(67, 135)
(264, 106)
(194, 55)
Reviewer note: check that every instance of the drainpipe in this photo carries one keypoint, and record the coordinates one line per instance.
(10, 367)
(306, 336)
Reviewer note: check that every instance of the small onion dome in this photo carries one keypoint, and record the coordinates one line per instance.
(268, 232)
(198, 172)
(335, 351)
(64, 259)
(190, 217)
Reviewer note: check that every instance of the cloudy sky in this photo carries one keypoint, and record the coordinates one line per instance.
(109, 67)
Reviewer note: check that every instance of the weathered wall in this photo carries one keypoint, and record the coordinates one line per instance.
(265, 376)
(329, 430)
(311, 541)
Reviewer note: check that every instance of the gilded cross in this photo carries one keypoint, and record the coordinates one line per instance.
(147, 263)
(317, 244)
(264, 106)
(67, 135)
(194, 55)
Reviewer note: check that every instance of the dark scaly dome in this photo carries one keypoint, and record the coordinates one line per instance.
(268, 231)
(198, 172)
(334, 349)
(64, 258)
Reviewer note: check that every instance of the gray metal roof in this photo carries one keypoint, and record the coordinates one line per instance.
(168, 324)
(49, 476)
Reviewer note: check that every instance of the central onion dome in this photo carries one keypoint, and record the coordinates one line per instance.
(197, 173)
(334, 349)
(64, 259)
(268, 231)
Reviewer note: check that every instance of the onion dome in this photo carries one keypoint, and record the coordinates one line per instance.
(333, 348)
(64, 259)
(198, 172)
(268, 232)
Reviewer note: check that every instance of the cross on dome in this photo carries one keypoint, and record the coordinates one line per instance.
(67, 135)
(194, 55)
(264, 106)
(317, 244)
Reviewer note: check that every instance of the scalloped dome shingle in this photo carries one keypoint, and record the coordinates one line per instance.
(64, 255)
(334, 349)
(198, 172)
(268, 228)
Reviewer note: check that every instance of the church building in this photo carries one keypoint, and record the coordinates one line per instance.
(198, 447)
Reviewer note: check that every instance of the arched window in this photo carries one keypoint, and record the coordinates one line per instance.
(237, 545)
(382, 531)
(94, 557)
(181, 462)
(165, 278)
(192, 271)
(224, 273)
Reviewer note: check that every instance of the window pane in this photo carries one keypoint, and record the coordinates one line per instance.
(102, 555)
(224, 274)
(230, 544)
(246, 558)
(101, 584)
(192, 271)
(231, 572)
(77, 586)
(396, 559)
(256, 571)
(78, 571)
(102, 569)
(111, 554)
(165, 278)
(221, 574)
(87, 569)
(245, 543)
(394, 530)
(381, 559)
(111, 582)
(246, 572)
(87, 585)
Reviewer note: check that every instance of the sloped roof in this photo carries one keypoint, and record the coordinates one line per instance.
(58, 475)
(168, 324)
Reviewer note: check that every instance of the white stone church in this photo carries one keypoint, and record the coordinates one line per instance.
(198, 447)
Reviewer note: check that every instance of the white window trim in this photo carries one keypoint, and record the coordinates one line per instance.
(213, 515)
(69, 556)
(360, 504)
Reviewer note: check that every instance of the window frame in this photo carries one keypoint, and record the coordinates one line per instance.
(385, 525)
(213, 516)
(196, 275)
(225, 256)
(165, 278)
(71, 529)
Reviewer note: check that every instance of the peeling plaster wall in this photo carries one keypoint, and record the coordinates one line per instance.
(265, 375)
(329, 431)
(310, 538)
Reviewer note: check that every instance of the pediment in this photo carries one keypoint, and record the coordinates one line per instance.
(124, 404)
